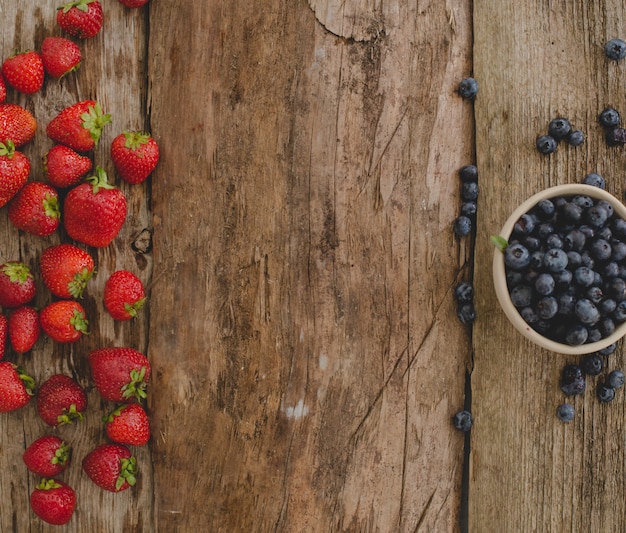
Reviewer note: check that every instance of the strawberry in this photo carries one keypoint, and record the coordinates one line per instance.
(94, 211)
(4, 331)
(17, 124)
(111, 467)
(60, 56)
(124, 295)
(47, 456)
(3, 90)
(53, 501)
(64, 167)
(17, 286)
(24, 71)
(82, 18)
(24, 328)
(128, 424)
(134, 155)
(61, 401)
(14, 171)
(16, 387)
(79, 125)
(65, 270)
(64, 321)
(120, 374)
(133, 3)
(35, 209)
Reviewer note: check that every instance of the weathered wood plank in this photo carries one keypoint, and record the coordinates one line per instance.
(304, 334)
(547, 59)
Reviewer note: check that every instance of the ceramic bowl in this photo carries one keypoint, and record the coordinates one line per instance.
(499, 274)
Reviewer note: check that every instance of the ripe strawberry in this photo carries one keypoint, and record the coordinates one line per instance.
(111, 467)
(17, 124)
(47, 456)
(24, 328)
(17, 286)
(61, 401)
(16, 387)
(134, 155)
(128, 424)
(120, 374)
(4, 331)
(79, 125)
(124, 295)
(24, 71)
(65, 167)
(94, 211)
(64, 321)
(3, 90)
(14, 171)
(53, 501)
(133, 3)
(35, 209)
(65, 270)
(60, 56)
(82, 18)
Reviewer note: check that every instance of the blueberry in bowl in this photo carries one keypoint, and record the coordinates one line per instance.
(559, 269)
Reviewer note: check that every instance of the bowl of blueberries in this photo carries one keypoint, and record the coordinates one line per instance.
(559, 268)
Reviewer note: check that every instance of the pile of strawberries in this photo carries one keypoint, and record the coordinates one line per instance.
(93, 212)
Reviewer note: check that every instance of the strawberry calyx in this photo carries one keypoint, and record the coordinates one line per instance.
(48, 484)
(61, 455)
(79, 322)
(94, 120)
(134, 139)
(114, 414)
(79, 282)
(136, 388)
(99, 181)
(17, 272)
(81, 5)
(7, 148)
(69, 416)
(28, 381)
(51, 206)
(127, 472)
(132, 309)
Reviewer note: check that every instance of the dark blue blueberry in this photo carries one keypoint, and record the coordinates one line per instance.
(615, 379)
(468, 88)
(544, 209)
(604, 233)
(571, 212)
(574, 259)
(575, 240)
(521, 296)
(572, 380)
(615, 49)
(617, 289)
(462, 226)
(544, 284)
(468, 173)
(536, 259)
(597, 216)
(586, 260)
(544, 230)
(619, 227)
(469, 191)
(464, 292)
(609, 118)
(584, 276)
(610, 270)
(529, 315)
(601, 250)
(607, 327)
(619, 315)
(576, 335)
(554, 241)
(592, 364)
(594, 335)
(608, 350)
(595, 294)
(595, 180)
(468, 209)
(575, 138)
(546, 144)
(516, 256)
(607, 306)
(608, 206)
(463, 420)
(562, 279)
(589, 232)
(586, 311)
(524, 225)
(566, 304)
(619, 250)
(583, 200)
(532, 243)
(466, 313)
(605, 393)
(547, 307)
(559, 128)
(514, 278)
(555, 260)
(565, 412)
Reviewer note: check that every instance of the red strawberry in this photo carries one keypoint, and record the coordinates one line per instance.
(134, 155)
(111, 467)
(128, 424)
(64, 321)
(53, 501)
(82, 18)
(24, 328)
(79, 126)
(4, 331)
(24, 71)
(61, 401)
(65, 167)
(95, 211)
(17, 286)
(3, 90)
(35, 209)
(14, 171)
(16, 387)
(133, 3)
(120, 374)
(47, 456)
(124, 295)
(60, 56)
(65, 269)
(17, 124)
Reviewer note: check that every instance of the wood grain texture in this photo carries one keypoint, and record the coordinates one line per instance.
(529, 472)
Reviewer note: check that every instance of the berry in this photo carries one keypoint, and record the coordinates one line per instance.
(4, 331)
(544, 284)
(521, 295)
(65, 270)
(466, 313)
(79, 126)
(555, 260)
(615, 49)
(81, 18)
(133, 3)
(128, 424)
(61, 401)
(595, 180)
(576, 335)
(24, 71)
(546, 144)
(572, 380)
(469, 191)
(64, 167)
(575, 137)
(468, 209)
(609, 117)
(64, 321)
(120, 374)
(586, 312)
(124, 295)
(464, 292)
(14, 171)
(35, 209)
(592, 364)
(24, 328)
(559, 128)
(16, 387)
(111, 467)
(53, 501)
(468, 88)
(468, 173)
(17, 286)
(516, 256)
(565, 412)
(134, 154)
(463, 420)
(462, 226)
(47, 456)
(17, 125)
(60, 56)
(605, 393)
(615, 379)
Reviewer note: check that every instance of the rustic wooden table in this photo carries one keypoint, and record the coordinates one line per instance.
(301, 324)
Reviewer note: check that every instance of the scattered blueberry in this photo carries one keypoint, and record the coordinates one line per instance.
(546, 144)
(468, 88)
(595, 180)
(463, 420)
(576, 335)
(615, 136)
(609, 117)
(615, 379)
(468, 209)
(466, 313)
(464, 292)
(572, 380)
(468, 173)
(608, 350)
(469, 191)
(615, 49)
(592, 364)
(565, 412)
(576, 137)
(605, 393)
(559, 128)
(462, 226)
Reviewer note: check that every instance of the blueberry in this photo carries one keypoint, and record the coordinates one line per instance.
(554, 241)
(609, 118)
(546, 144)
(592, 364)
(544, 230)
(615, 136)
(595, 294)
(583, 200)
(594, 335)
(555, 260)
(584, 276)
(547, 307)
(468, 173)
(608, 206)
(566, 304)
(562, 279)
(462, 226)
(586, 311)
(615, 49)
(575, 240)
(463, 420)
(595, 180)
(607, 327)
(565, 412)
(544, 284)
(558, 128)
(536, 259)
(605, 393)
(575, 137)
(524, 225)
(571, 212)
(466, 313)
(607, 306)
(608, 350)
(615, 379)
(545, 209)
(618, 226)
(532, 243)
(572, 380)
(516, 256)
(601, 250)
(464, 292)
(574, 259)
(597, 216)
(469, 191)
(576, 335)
(617, 289)
(618, 252)
(619, 315)
(521, 296)
(468, 209)
(468, 88)
(529, 315)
